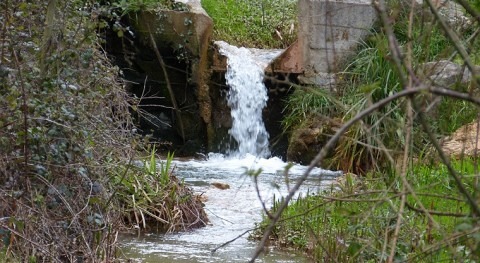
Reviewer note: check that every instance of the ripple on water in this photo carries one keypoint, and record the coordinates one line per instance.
(231, 211)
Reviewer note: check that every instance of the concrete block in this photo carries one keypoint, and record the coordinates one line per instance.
(330, 30)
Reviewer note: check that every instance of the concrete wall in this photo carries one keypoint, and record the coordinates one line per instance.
(330, 30)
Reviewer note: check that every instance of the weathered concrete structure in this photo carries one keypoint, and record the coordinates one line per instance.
(329, 32)
(163, 55)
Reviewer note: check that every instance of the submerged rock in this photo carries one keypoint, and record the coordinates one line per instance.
(221, 186)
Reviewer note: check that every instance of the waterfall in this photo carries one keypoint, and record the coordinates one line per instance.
(247, 97)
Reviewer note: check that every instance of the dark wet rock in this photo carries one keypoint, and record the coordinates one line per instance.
(307, 141)
(177, 118)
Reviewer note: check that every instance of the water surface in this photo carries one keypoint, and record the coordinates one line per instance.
(231, 212)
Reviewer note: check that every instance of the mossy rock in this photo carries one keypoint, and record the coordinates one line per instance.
(308, 139)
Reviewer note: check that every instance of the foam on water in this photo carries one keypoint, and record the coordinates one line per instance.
(231, 212)
(273, 165)
(235, 210)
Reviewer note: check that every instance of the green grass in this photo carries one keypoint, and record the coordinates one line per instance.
(455, 114)
(356, 224)
(306, 102)
(253, 23)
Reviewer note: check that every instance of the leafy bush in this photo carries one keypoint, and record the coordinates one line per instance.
(64, 127)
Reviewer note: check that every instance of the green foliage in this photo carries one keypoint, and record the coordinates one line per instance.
(355, 221)
(306, 102)
(428, 40)
(371, 71)
(254, 23)
(451, 120)
(155, 199)
(369, 77)
(132, 6)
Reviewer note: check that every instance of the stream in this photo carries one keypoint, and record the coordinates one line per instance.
(234, 211)
(231, 212)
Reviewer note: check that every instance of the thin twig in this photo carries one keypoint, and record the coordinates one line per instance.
(403, 172)
(322, 154)
(468, 7)
(436, 213)
(230, 241)
(167, 80)
(24, 111)
(333, 140)
(264, 207)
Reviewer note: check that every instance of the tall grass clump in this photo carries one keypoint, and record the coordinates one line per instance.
(306, 102)
(368, 78)
(371, 76)
(153, 198)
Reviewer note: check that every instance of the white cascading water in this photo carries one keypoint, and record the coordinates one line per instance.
(233, 212)
(246, 97)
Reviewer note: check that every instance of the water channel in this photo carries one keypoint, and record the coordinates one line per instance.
(232, 212)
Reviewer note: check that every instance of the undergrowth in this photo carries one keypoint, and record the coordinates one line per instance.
(65, 135)
(354, 221)
(423, 215)
(371, 76)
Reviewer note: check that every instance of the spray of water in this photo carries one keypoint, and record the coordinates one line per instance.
(232, 212)
(246, 97)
